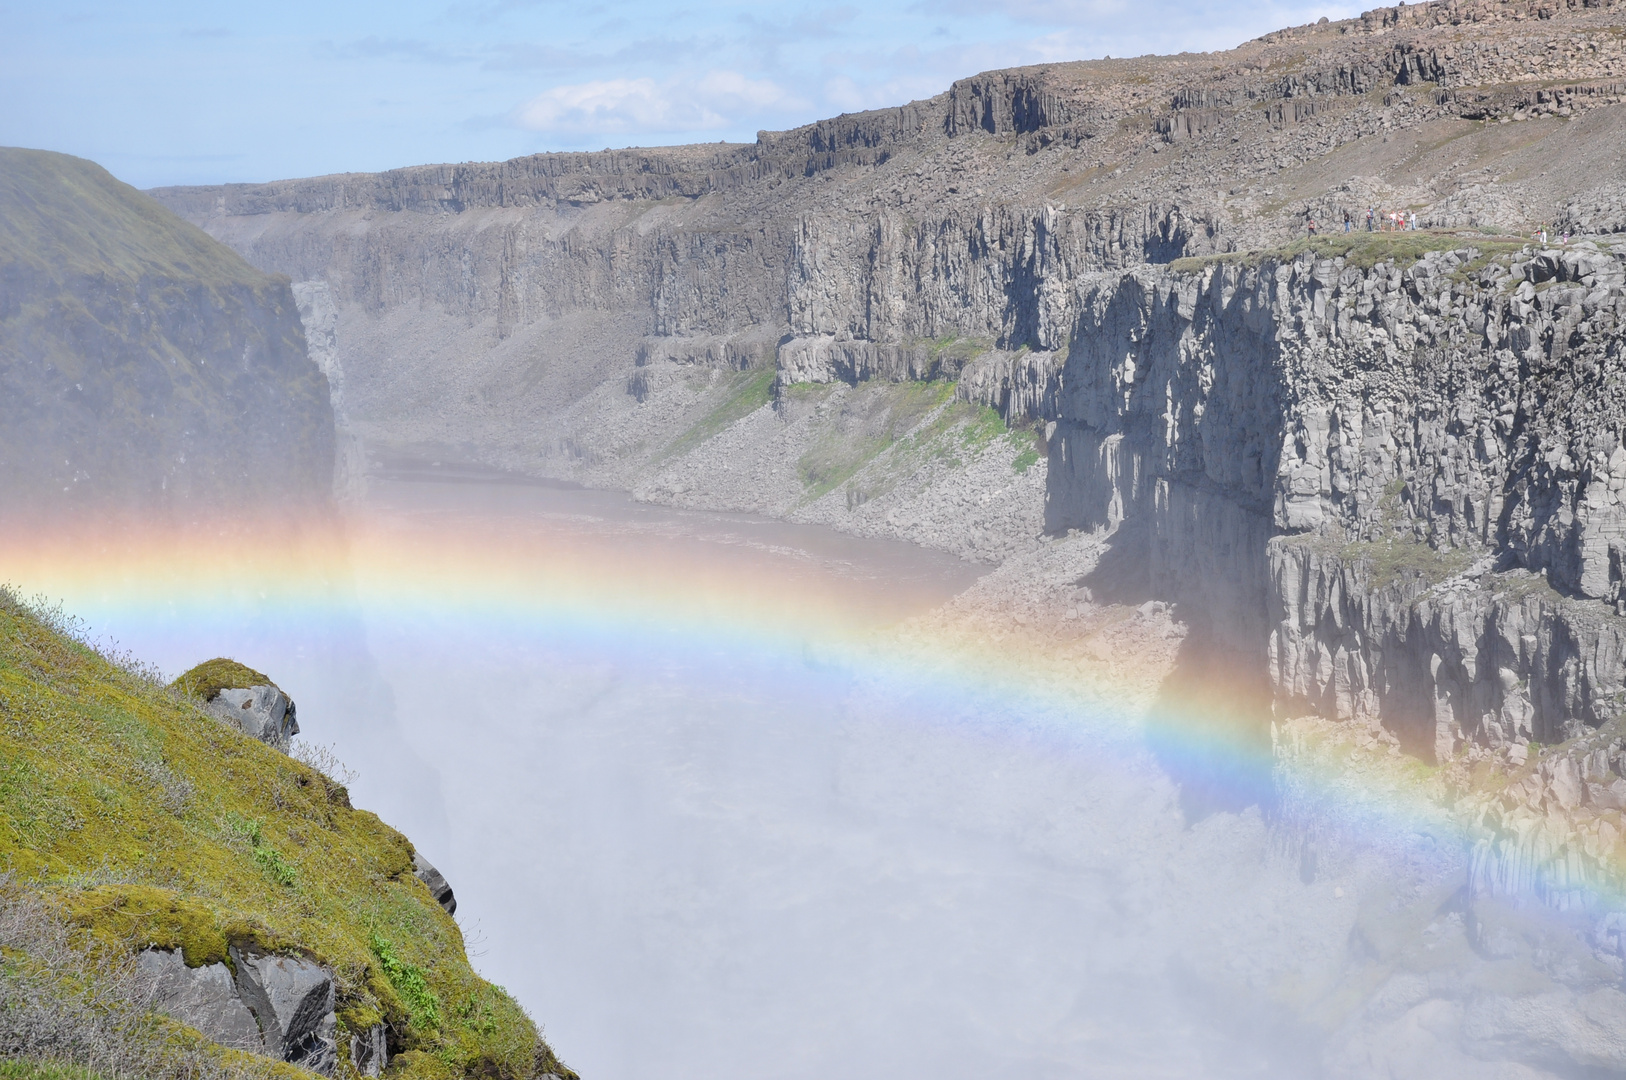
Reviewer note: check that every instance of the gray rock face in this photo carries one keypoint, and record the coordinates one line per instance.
(1396, 491)
(1420, 423)
(293, 1000)
(438, 887)
(204, 997)
(460, 304)
(279, 1006)
(147, 368)
(369, 1051)
(261, 712)
(1492, 659)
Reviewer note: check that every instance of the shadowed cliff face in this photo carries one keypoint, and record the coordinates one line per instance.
(142, 363)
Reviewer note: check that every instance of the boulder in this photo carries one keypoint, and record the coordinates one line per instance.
(261, 712)
(293, 1000)
(438, 886)
(202, 997)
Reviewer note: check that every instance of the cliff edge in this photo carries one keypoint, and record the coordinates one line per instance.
(142, 364)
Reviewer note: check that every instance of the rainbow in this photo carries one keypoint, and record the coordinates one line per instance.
(570, 586)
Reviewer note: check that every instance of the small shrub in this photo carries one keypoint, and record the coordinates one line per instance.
(266, 857)
(409, 982)
(323, 760)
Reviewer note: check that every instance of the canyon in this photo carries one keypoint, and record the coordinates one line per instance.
(1145, 334)
(1383, 466)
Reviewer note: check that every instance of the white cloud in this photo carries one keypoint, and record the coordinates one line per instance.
(713, 101)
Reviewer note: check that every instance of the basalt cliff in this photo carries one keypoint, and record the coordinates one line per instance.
(1383, 470)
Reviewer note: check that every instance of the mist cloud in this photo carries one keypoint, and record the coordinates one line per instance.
(714, 101)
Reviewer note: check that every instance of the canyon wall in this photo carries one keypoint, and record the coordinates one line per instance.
(1402, 486)
(1384, 470)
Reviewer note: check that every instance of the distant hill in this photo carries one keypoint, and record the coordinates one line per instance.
(142, 362)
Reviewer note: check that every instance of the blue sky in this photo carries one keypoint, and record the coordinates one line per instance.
(190, 92)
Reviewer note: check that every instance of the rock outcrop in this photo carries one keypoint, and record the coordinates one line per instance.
(435, 882)
(1445, 421)
(261, 712)
(243, 698)
(278, 1006)
(204, 997)
(292, 998)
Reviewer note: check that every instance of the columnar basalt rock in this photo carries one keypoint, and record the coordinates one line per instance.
(1406, 424)
(1314, 450)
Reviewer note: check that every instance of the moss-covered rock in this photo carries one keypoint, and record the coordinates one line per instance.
(151, 825)
(208, 679)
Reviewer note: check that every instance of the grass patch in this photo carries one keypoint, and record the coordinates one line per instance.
(747, 392)
(263, 852)
(266, 857)
(1358, 249)
(871, 420)
(409, 982)
(1393, 561)
(951, 353)
(1029, 445)
(26, 1069)
(209, 678)
(63, 216)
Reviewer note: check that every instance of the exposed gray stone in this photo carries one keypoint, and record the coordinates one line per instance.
(438, 886)
(260, 712)
(293, 999)
(369, 1050)
(203, 997)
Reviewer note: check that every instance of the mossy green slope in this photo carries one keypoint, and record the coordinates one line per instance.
(140, 360)
(209, 678)
(62, 216)
(150, 823)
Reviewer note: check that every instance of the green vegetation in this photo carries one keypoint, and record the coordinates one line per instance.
(409, 982)
(746, 392)
(23, 1069)
(1359, 249)
(209, 678)
(261, 851)
(1026, 460)
(953, 350)
(871, 420)
(268, 858)
(1400, 559)
(63, 217)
